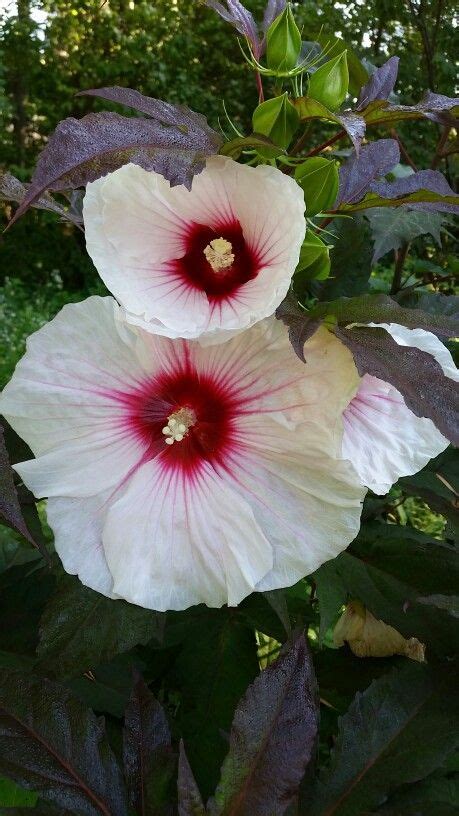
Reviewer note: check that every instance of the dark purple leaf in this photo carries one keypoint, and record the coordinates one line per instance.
(272, 739)
(380, 85)
(432, 302)
(10, 508)
(432, 106)
(11, 189)
(241, 19)
(82, 150)
(50, 743)
(149, 762)
(415, 373)
(189, 799)
(300, 326)
(357, 174)
(383, 309)
(430, 180)
(175, 116)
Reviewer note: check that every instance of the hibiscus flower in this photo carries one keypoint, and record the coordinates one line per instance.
(179, 473)
(207, 261)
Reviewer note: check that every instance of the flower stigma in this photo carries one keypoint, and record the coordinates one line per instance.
(219, 254)
(178, 425)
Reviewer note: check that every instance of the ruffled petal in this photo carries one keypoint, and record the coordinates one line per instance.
(171, 543)
(77, 525)
(137, 227)
(63, 400)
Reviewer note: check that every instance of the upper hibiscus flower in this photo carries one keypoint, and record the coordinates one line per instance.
(207, 261)
(179, 473)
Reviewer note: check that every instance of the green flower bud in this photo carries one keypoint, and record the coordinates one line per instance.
(283, 42)
(330, 83)
(319, 179)
(277, 119)
(314, 262)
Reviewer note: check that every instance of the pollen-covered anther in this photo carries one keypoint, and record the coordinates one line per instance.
(219, 254)
(178, 425)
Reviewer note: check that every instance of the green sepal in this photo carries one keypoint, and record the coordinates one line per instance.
(277, 119)
(330, 83)
(319, 180)
(283, 42)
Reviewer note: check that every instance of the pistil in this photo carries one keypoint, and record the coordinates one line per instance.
(178, 425)
(219, 254)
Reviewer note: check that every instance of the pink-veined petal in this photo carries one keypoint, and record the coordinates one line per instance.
(171, 544)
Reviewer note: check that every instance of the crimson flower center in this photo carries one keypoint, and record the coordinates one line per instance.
(217, 260)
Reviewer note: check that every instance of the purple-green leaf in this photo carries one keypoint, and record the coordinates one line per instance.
(50, 743)
(241, 19)
(414, 373)
(359, 172)
(272, 741)
(11, 189)
(149, 761)
(381, 83)
(189, 798)
(431, 181)
(83, 150)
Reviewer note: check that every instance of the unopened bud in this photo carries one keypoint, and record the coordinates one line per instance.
(330, 83)
(314, 262)
(319, 179)
(283, 42)
(276, 118)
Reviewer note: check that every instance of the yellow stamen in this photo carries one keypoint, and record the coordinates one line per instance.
(178, 425)
(219, 254)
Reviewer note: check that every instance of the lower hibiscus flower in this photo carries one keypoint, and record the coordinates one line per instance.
(179, 473)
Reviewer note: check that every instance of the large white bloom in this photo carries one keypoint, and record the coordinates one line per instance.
(207, 261)
(179, 473)
(383, 439)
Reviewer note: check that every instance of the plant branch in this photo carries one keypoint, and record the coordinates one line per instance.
(403, 150)
(400, 258)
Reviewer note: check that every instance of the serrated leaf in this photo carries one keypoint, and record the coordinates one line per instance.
(352, 122)
(11, 189)
(217, 662)
(189, 798)
(83, 150)
(149, 761)
(272, 739)
(398, 731)
(81, 628)
(432, 106)
(375, 352)
(51, 744)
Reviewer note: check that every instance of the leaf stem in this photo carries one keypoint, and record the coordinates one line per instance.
(400, 258)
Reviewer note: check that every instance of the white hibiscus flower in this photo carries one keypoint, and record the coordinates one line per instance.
(179, 473)
(207, 261)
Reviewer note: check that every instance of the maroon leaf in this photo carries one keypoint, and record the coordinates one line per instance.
(83, 150)
(415, 373)
(50, 743)
(189, 799)
(357, 174)
(10, 508)
(300, 326)
(381, 83)
(272, 739)
(149, 761)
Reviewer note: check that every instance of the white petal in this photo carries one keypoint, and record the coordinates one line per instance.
(77, 525)
(136, 223)
(60, 400)
(309, 508)
(170, 544)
